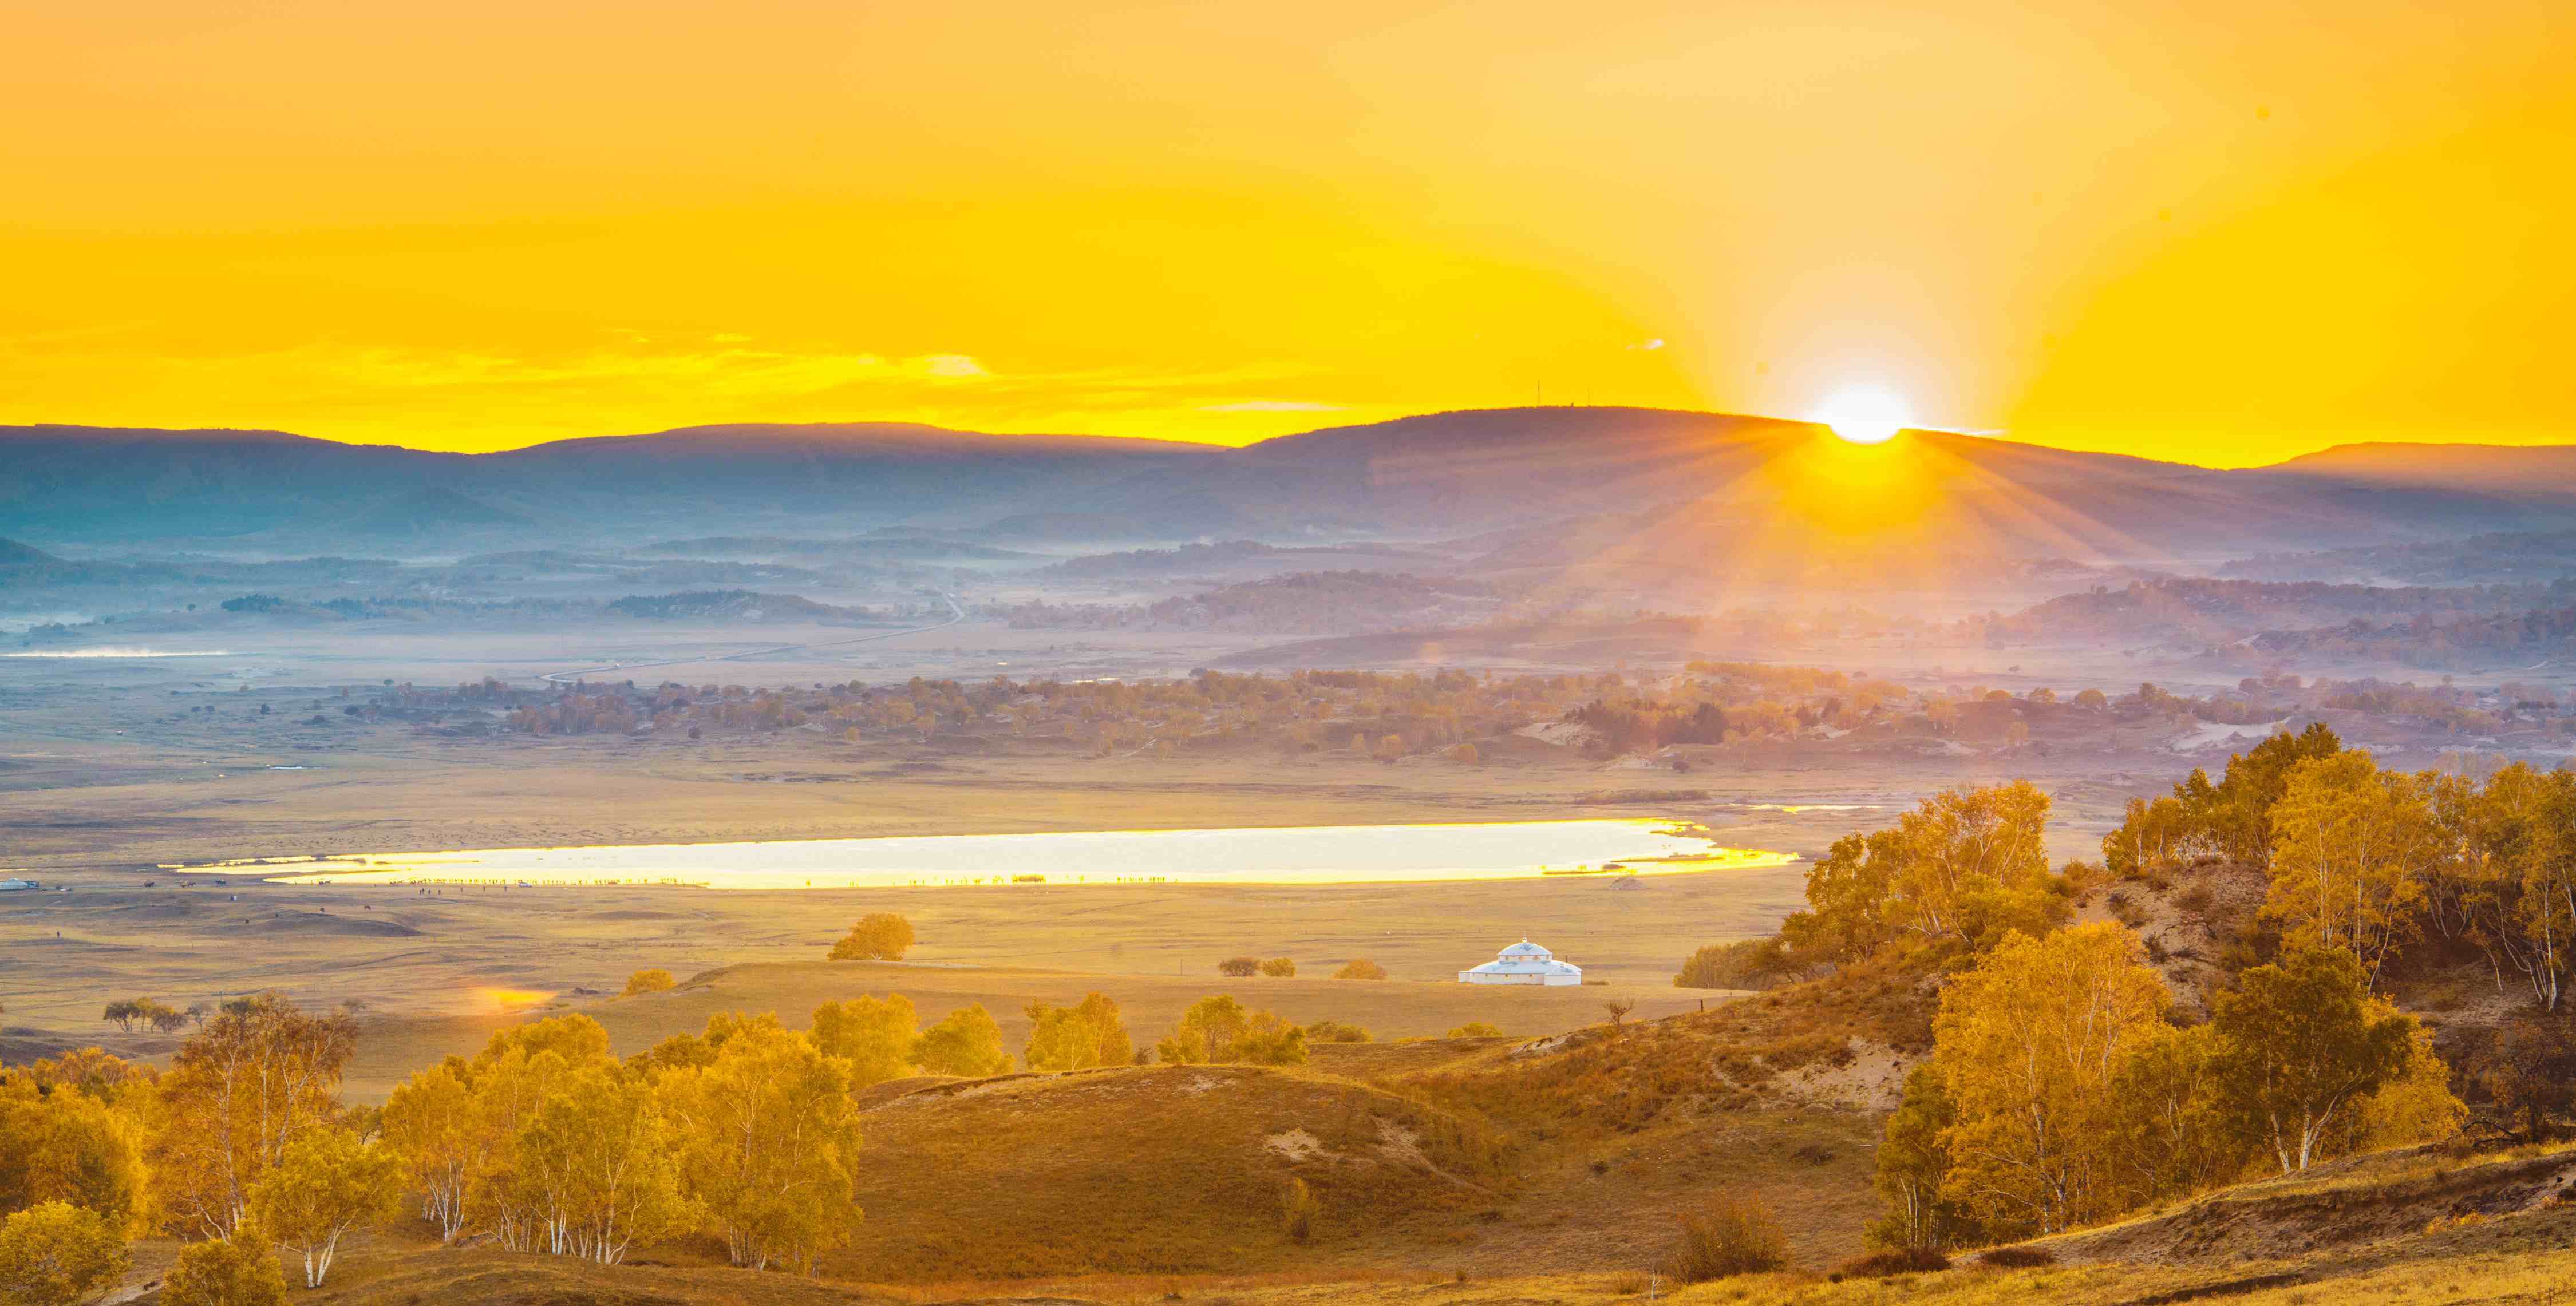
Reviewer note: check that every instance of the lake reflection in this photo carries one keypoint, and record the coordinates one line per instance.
(1322, 854)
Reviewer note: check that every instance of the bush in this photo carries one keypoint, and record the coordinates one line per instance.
(1279, 968)
(2017, 1258)
(238, 1271)
(1361, 968)
(1902, 1260)
(1733, 1236)
(1744, 964)
(877, 936)
(55, 1253)
(1239, 967)
(1297, 1211)
(656, 980)
(1334, 1031)
(1477, 1029)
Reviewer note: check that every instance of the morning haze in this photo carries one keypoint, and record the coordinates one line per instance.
(795, 654)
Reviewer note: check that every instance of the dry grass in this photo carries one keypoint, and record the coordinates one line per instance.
(1157, 1170)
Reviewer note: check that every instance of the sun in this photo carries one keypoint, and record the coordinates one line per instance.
(1863, 414)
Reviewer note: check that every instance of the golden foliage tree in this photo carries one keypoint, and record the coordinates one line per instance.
(594, 1164)
(2027, 1045)
(239, 1090)
(1966, 865)
(875, 1035)
(2517, 875)
(768, 1143)
(58, 1254)
(653, 980)
(65, 1145)
(2353, 848)
(1219, 1029)
(877, 936)
(966, 1042)
(1090, 1033)
(431, 1123)
(516, 1075)
(326, 1183)
(1360, 968)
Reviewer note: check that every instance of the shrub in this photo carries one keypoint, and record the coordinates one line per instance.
(55, 1253)
(1239, 967)
(1733, 1236)
(1744, 964)
(236, 1271)
(1297, 1211)
(2016, 1258)
(877, 936)
(1334, 1031)
(1902, 1260)
(1361, 968)
(656, 980)
(1279, 968)
(1477, 1029)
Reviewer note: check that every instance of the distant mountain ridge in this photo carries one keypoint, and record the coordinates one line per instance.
(1654, 490)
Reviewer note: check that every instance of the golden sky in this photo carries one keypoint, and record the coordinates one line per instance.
(2225, 231)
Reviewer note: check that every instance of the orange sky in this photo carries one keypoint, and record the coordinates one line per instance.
(2218, 230)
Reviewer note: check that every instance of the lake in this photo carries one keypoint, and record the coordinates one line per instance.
(1325, 854)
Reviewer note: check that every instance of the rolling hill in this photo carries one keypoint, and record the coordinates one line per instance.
(1635, 493)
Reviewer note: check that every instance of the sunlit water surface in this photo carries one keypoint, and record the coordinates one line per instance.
(1319, 854)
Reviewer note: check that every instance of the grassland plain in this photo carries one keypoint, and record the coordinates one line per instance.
(2522, 1254)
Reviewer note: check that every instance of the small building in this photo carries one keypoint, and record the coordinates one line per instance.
(1523, 963)
(7, 886)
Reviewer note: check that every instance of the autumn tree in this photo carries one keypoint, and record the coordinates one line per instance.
(2237, 811)
(325, 1183)
(966, 1042)
(430, 1122)
(65, 1145)
(258, 1075)
(2353, 848)
(519, 1072)
(2027, 1044)
(594, 1164)
(236, 1271)
(58, 1254)
(1219, 1029)
(1965, 866)
(1913, 1163)
(1090, 1033)
(877, 936)
(2173, 1134)
(768, 1142)
(2303, 1044)
(1239, 967)
(874, 1035)
(1360, 968)
(655, 980)
(2517, 876)
(1279, 967)
(2530, 1072)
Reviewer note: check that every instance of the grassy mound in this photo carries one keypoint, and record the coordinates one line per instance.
(1160, 1169)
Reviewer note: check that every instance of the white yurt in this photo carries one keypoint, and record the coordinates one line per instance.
(1523, 963)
